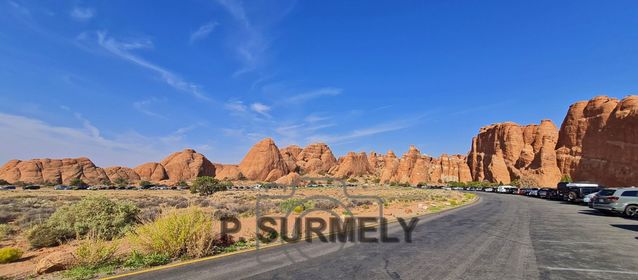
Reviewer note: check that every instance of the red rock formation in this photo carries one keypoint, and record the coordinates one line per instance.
(414, 168)
(264, 162)
(352, 165)
(507, 151)
(227, 172)
(390, 168)
(290, 155)
(55, 171)
(292, 179)
(125, 173)
(187, 165)
(316, 159)
(599, 141)
(151, 171)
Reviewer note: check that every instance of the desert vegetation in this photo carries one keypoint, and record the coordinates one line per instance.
(94, 234)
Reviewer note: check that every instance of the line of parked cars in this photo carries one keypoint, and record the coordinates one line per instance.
(622, 201)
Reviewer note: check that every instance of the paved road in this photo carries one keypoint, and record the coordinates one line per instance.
(501, 237)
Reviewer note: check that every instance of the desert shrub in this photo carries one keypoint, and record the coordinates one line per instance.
(245, 208)
(31, 217)
(139, 260)
(104, 217)
(145, 183)
(206, 185)
(180, 232)
(224, 214)
(5, 230)
(95, 252)
(87, 272)
(3, 182)
(149, 213)
(326, 204)
(45, 235)
(120, 182)
(295, 204)
(361, 202)
(8, 255)
(77, 182)
(352, 180)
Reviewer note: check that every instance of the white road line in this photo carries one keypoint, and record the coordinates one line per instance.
(591, 270)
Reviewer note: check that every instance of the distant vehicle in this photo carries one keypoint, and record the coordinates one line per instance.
(532, 192)
(61, 188)
(79, 188)
(623, 201)
(488, 189)
(542, 193)
(31, 187)
(6, 188)
(575, 192)
(521, 191)
(588, 198)
(505, 189)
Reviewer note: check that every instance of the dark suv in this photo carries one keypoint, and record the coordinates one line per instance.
(575, 192)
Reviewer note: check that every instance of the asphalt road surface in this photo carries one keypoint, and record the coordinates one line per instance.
(501, 237)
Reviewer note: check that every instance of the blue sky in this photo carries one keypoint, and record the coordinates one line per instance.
(126, 82)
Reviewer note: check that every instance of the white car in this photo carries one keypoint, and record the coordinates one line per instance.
(589, 197)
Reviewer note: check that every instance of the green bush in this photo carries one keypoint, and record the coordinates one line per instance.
(5, 230)
(139, 260)
(86, 272)
(178, 233)
(206, 185)
(95, 252)
(45, 235)
(295, 204)
(103, 217)
(145, 183)
(8, 255)
(77, 182)
(106, 218)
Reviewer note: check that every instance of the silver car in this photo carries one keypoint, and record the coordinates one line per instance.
(623, 201)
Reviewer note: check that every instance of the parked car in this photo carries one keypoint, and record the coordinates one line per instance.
(576, 192)
(61, 188)
(521, 191)
(31, 187)
(532, 192)
(543, 193)
(6, 188)
(624, 201)
(505, 189)
(588, 198)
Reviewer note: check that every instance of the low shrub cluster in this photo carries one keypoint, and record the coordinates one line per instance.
(139, 260)
(8, 255)
(177, 233)
(105, 218)
(5, 230)
(95, 252)
(296, 205)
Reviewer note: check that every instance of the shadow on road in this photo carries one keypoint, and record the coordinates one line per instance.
(594, 213)
(627, 227)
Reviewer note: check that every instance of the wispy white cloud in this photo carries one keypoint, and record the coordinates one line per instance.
(26, 138)
(82, 14)
(364, 132)
(178, 135)
(252, 43)
(203, 31)
(260, 108)
(122, 49)
(143, 106)
(305, 96)
(236, 106)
